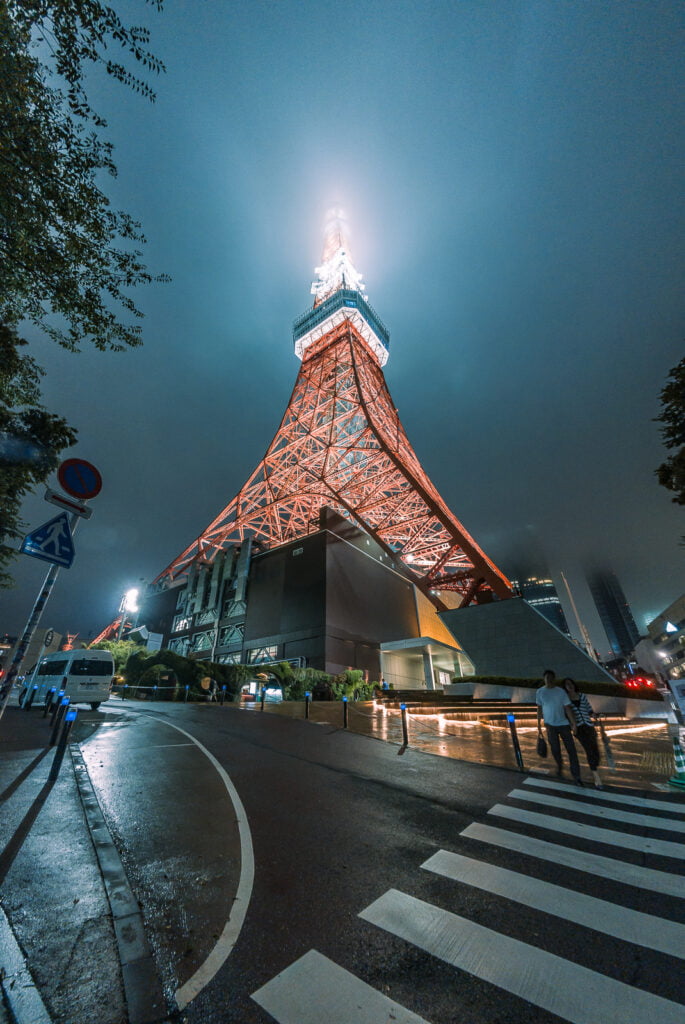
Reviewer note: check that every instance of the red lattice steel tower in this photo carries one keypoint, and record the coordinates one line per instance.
(341, 445)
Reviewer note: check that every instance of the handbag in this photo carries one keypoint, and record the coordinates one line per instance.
(542, 746)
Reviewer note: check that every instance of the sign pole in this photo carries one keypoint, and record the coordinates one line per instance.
(32, 623)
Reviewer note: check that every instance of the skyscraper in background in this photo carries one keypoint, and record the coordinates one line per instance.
(540, 592)
(614, 611)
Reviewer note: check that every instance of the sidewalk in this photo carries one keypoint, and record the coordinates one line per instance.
(51, 889)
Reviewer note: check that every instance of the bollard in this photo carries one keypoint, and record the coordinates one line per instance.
(61, 711)
(405, 732)
(223, 694)
(48, 700)
(55, 706)
(344, 712)
(185, 699)
(154, 692)
(515, 740)
(123, 696)
(263, 698)
(307, 696)
(69, 719)
(30, 695)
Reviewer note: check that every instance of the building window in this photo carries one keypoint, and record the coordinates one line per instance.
(229, 659)
(202, 641)
(260, 654)
(180, 624)
(180, 646)
(232, 634)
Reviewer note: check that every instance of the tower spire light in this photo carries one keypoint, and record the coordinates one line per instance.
(337, 270)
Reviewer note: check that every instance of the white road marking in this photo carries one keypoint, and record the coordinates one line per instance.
(608, 813)
(608, 918)
(569, 990)
(229, 936)
(315, 990)
(596, 864)
(661, 847)
(669, 806)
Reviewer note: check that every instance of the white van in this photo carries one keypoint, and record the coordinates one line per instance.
(85, 676)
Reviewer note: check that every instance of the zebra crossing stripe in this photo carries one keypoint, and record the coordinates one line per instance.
(608, 918)
(667, 806)
(610, 813)
(660, 847)
(603, 867)
(315, 989)
(543, 979)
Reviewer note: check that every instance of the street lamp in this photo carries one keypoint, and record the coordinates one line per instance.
(129, 606)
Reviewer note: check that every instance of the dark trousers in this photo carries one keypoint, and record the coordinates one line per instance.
(563, 731)
(587, 737)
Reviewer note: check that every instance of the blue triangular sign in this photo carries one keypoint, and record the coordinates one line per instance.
(52, 542)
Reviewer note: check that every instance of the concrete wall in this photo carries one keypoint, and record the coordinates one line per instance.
(510, 638)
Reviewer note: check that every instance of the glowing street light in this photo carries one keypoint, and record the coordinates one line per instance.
(129, 606)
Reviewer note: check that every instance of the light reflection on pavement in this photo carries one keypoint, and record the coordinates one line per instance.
(642, 750)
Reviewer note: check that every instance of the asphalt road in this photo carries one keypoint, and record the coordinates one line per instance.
(344, 924)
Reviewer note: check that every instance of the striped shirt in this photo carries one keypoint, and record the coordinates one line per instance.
(582, 709)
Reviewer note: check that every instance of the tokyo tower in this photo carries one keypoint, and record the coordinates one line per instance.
(341, 445)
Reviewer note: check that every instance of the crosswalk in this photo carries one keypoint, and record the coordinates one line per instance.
(315, 989)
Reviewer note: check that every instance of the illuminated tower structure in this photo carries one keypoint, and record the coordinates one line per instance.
(341, 446)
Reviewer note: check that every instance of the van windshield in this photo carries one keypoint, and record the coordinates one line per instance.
(90, 667)
(52, 668)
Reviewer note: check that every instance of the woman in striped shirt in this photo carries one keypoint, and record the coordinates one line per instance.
(585, 729)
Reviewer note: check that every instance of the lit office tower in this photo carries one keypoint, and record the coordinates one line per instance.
(540, 592)
(614, 611)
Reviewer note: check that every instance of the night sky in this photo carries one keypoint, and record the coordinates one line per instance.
(513, 177)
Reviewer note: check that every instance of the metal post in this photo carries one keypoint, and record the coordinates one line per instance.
(515, 740)
(306, 703)
(49, 696)
(405, 731)
(61, 711)
(55, 706)
(30, 696)
(124, 693)
(223, 693)
(344, 712)
(30, 627)
(154, 692)
(69, 720)
(185, 699)
(263, 697)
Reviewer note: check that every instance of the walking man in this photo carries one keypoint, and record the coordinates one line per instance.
(554, 706)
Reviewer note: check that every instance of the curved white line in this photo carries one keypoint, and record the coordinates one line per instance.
(229, 936)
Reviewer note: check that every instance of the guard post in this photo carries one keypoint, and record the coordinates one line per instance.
(69, 719)
(30, 695)
(307, 696)
(405, 731)
(55, 706)
(49, 697)
(262, 698)
(61, 711)
(344, 712)
(515, 740)
(185, 699)
(223, 693)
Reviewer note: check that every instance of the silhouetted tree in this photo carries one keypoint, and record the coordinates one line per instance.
(63, 267)
(671, 473)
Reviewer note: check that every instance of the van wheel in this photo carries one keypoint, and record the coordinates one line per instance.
(95, 704)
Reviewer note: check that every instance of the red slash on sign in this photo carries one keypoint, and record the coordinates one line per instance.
(79, 478)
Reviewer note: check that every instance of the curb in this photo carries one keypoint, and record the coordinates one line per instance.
(142, 986)
(18, 988)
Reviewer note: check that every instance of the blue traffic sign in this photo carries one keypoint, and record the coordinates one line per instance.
(52, 542)
(79, 478)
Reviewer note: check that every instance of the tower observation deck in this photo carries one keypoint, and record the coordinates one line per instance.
(341, 445)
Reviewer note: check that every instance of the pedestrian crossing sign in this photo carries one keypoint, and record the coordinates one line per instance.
(52, 542)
